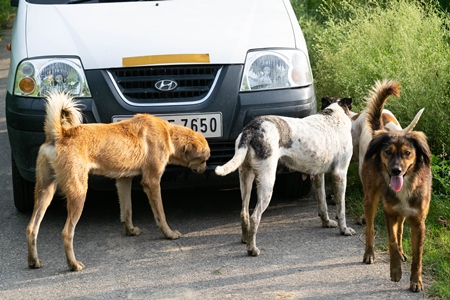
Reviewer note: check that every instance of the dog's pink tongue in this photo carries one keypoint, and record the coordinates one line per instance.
(396, 183)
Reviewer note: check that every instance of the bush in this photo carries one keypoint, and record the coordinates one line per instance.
(6, 12)
(352, 45)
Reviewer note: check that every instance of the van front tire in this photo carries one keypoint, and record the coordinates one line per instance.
(23, 190)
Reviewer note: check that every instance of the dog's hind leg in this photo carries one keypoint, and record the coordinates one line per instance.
(265, 181)
(319, 185)
(124, 192)
(75, 192)
(246, 178)
(151, 183)
(417, 241)
(339, 185)
(44, 191)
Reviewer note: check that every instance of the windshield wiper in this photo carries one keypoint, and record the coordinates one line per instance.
(81, 1)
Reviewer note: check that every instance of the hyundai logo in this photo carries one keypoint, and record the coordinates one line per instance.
(166, 85)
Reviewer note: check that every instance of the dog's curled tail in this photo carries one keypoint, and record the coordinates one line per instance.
(377, 98)
(234, 163)
(62, 113)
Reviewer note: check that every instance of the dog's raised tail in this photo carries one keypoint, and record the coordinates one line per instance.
(62, 113)
(414, 122)
(377, 98)
(234, 163)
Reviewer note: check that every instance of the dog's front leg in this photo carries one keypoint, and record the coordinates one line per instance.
(339, 185)
(151, 184)
(392, 223)
(371, 198)
(319, 184)
(400, 239)
(417, 241)
(124, 192)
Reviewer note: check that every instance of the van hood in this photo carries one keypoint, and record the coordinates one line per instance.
(103, 34)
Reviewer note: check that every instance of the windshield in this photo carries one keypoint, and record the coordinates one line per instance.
(79, 1)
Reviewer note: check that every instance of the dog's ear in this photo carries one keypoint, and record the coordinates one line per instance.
(188, 151)
(326, 101)
(376, 144)
(347, 102)
(419, 141)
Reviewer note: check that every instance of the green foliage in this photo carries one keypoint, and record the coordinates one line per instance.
(6, 12)
(441, 174)
(354, 44)
(436, 255)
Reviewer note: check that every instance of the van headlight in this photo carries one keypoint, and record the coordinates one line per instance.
(36, 77)
(276, 69)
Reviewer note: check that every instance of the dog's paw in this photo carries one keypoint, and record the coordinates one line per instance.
(133, 231)
(173, 234)
(396, 274)
(76, 266)
(253, 252)
(369, 258)
(329, 224)
(35, 264)
(348, 231)
(220, 170)
(416, 286)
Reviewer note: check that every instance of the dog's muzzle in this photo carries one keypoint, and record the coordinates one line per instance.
(199, 169)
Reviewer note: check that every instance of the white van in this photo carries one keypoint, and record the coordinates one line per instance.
(211, 65)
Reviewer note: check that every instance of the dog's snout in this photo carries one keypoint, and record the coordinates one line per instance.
(396, 171)
(199, 169)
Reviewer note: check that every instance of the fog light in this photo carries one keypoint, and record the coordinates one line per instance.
(27, 85)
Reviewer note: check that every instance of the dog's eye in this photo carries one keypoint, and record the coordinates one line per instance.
(407, 153)
(388, 152)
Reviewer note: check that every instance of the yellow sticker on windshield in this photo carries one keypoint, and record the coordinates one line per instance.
(164, 59)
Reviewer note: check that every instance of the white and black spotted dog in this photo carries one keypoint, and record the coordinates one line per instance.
(314, 145)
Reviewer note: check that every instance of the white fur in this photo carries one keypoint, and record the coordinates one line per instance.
(320, 143)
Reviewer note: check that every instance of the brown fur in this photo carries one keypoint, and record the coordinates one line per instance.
(403, 155)
(143, 145)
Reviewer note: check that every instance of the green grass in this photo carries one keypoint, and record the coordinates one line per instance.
(352, 44)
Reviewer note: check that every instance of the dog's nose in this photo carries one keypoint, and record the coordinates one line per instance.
(396, 171)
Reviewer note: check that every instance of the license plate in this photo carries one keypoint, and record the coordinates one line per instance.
(208, 124)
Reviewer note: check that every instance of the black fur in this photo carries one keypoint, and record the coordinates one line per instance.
(326, 101)
(254, 136)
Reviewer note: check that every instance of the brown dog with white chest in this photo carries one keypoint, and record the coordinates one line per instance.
(142, 145)
(396, 168)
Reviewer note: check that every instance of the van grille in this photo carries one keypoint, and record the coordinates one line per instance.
(137, 85)
(221, 152)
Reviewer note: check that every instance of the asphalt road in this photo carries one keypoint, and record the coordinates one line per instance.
(299, 259)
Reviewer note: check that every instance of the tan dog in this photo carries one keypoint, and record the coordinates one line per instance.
(143, 145)
(397, 168)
